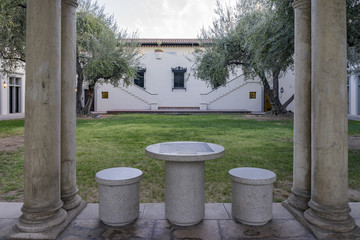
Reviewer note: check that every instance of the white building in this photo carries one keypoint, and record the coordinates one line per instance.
(12, 92)
(167, 82)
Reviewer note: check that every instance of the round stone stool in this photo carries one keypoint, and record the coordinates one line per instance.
(118, 195)
(252, 195)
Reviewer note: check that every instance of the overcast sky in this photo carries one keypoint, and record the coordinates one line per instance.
(163, 18)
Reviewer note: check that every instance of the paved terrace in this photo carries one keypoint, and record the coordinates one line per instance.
(152, 224)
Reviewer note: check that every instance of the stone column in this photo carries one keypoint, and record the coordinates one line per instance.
(68, 105)
(42, 209)
(302, 118)
(329, 209)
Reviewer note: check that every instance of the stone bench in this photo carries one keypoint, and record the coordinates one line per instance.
(118, 195)
(252, 195)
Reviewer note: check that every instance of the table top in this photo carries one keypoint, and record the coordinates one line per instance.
(185, 151)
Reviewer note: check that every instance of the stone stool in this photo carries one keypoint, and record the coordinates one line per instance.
(118, 195)
(252, 195)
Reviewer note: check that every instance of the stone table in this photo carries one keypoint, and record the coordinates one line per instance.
(185, 178)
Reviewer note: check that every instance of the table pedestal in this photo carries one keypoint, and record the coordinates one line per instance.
(185, 178)
(184, 192)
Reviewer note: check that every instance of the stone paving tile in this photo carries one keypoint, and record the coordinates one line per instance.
(85, 229)
(275, 229)
(92, 229)
(163, 230)
(91, 212)
(5, 227)
(227, 207)
(10, 210)
(154, 211)
(207, 229)
(357, 221)
(279, 212)
(141, 210)
(215, 211)
(355, 210)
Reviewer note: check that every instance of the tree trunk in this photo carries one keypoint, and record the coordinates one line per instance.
(276, 107)
(86, 109)
(79, 87)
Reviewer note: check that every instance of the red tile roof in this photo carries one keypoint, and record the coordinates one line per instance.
(171, 41)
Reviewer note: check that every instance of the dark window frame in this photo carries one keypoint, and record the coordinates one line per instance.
(15, 97)
(179, 77)
(140, 78)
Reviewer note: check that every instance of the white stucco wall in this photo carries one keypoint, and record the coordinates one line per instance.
(159, 87)
(123, 98)
(287, 82)
(158, 83)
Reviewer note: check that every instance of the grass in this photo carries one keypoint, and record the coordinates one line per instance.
(121, 140)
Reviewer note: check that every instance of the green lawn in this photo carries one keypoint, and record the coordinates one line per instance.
(121, 140)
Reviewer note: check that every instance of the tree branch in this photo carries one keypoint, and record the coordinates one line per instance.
(11, 58)
(22, 5)
(286, 104)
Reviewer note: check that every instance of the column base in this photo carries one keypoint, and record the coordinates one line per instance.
(318, 232)
(52, 232)
(71, 201)
(335, 223)
(325, 228)
(330, 219)
(299, 199)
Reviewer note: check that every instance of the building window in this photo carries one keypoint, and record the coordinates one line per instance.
(179, 77)
(105, 95)
(252, 95)
(140, 77)
(14, 95)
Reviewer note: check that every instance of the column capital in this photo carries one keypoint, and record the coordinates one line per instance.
(72, 2)
(302, 4)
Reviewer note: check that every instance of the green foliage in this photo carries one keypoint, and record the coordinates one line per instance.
(103, 52)
(104, 55)
(257, 35)
(353, 35)
(269, 38)
(12, 34)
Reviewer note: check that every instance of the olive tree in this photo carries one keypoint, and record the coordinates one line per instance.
(12, 34)
(257, 36)
(104, 54)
